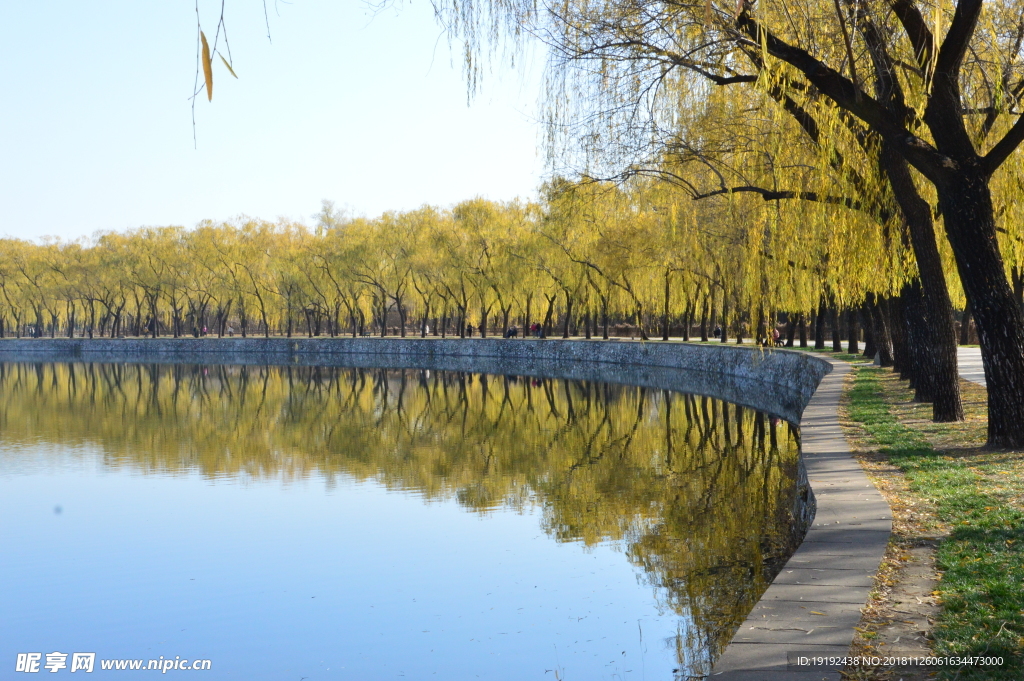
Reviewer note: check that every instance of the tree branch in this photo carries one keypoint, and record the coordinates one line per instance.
(1004, 147)
(776, 195)
(844, 93)
(943, 111)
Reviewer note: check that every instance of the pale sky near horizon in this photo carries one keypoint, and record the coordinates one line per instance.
(369, 111)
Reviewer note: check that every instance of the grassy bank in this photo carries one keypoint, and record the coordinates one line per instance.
(973, 499)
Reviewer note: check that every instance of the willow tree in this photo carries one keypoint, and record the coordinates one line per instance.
(937, 93)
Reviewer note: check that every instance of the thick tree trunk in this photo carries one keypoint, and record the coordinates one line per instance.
(913, 315)
(968, 215)
(801, 326)
(790, 330)
(937, 365)
(819, 326)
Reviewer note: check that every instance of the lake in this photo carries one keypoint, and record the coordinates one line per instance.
(343, 523)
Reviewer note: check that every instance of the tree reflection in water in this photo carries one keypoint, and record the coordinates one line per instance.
(706, 498)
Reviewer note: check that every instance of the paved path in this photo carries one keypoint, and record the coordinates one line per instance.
(969, 362)
(813, 605)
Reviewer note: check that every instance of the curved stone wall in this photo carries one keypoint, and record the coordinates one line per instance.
(776, 381)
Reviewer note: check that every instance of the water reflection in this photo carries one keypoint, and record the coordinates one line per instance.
(706, 498)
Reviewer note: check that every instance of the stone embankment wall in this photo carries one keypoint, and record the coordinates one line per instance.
(777, 381)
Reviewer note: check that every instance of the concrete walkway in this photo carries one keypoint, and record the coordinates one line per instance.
(969, 362)
(813, 605)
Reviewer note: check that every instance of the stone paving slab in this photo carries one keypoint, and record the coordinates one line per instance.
(795, 636)
(816, 600)
(820, 614)
(845, 534)
(828, 561)
(816, 593)
(830, 576)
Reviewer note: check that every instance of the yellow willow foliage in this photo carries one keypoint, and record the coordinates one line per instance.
(682, 92)
(703, 495)
(1007, 190)
(589, 249)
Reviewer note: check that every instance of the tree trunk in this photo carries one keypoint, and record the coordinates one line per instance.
(526, 319)
(819, 326)
(901, 361)
(837, 336)
(912, 315)
(725, 316)
(568, 316)
(882, 328)
(664, 309)
(965, 325)
(714, 311)
(704, 321)
(938, 365)
(968, 215)
(852, 332)
(790, 331)
(867, 323)
(640, 323)
(801, 326)
(546, 324)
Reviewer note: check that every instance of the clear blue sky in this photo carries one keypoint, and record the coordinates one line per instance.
(368, 111)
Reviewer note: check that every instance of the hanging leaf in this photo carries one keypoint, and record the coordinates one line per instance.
(207, 67)
(228, 65)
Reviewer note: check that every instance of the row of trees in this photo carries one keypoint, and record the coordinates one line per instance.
(589, 256)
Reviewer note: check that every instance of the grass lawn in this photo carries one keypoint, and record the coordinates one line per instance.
(974, 498)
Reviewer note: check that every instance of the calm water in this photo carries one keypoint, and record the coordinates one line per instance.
(298, 523)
